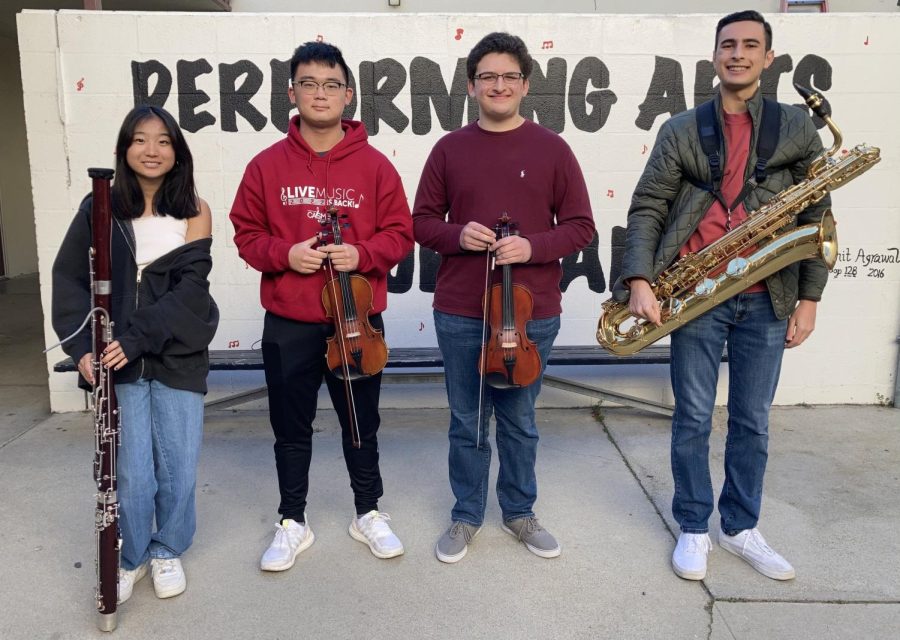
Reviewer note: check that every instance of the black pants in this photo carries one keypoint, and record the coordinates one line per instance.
(294, 361)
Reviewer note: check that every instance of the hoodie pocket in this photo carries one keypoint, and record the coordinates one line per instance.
(288, 287)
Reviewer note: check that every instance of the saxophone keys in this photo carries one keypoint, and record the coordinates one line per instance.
(737, 268)
(705, 288)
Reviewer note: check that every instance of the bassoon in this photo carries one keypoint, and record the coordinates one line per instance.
(106, 410)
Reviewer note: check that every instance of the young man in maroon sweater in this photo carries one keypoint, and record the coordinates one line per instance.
(323, 162)
(502, 163)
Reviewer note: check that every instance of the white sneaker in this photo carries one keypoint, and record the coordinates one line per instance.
(373, 530)
(291, 538)
(689, 557)
(750, 545)
(127, 580)
(168, 577)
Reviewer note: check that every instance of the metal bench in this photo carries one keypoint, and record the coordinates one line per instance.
(430, 358)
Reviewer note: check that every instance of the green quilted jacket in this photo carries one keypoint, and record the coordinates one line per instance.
(666, 208)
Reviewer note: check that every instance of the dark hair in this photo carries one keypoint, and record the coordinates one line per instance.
(177, 196)
(322, 52)
(498, 42)
(745, 16)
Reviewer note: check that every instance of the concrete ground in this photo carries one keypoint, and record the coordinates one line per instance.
(832, 506)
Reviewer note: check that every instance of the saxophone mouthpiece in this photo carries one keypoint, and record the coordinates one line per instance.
(815, 100)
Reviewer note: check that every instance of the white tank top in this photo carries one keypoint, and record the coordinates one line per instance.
(155, 236)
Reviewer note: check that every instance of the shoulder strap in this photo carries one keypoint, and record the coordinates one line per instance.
(710, 139)
(769, 131)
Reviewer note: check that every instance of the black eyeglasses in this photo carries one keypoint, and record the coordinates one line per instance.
(489, 77)
(311, 87)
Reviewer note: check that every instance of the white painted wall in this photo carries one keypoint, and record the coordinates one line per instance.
(78, 86)
(720, 7)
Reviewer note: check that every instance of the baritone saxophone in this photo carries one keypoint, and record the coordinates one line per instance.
(699, 281)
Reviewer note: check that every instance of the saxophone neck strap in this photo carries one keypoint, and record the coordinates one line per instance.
(711, 141)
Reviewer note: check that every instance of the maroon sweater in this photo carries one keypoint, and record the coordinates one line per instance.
(529, 173)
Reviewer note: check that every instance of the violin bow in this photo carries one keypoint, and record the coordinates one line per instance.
(488, 267)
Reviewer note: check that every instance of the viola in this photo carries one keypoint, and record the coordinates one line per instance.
(509, 358)
(356, 350)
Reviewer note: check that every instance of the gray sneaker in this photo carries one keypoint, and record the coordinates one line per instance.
(538, 540)
(453, 545)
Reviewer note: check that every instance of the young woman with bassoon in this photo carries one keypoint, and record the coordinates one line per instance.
(163, 319)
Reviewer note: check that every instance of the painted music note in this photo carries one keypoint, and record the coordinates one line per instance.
(547, 44)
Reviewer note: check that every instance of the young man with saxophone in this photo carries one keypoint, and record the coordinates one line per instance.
(686, 199)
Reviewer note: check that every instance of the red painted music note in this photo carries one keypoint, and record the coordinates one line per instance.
(79, 85)
(547, 44)
(458, 35)
(320, 38)
(644, 149)
(234, 344)
(867, 41)
(610, 193)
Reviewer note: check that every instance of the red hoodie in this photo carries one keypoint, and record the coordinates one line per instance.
(283, 196)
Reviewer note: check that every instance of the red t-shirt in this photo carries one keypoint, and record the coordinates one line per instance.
(738, 131)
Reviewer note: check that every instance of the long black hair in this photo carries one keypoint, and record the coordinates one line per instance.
(177, 196)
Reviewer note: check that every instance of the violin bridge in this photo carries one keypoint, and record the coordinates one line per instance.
(355, 334)
(508, 345)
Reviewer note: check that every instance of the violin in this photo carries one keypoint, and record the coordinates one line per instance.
(509, 359)
(356, 350)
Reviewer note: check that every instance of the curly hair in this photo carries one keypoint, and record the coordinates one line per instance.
(498, 42)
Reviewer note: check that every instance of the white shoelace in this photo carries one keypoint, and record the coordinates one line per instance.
(283, 535)
(756, 538)
(166, 567)
(375, 524)
(697, 544)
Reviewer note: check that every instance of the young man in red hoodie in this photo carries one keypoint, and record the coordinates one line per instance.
(278, 212)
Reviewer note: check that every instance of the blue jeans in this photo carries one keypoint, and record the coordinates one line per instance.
(162, 429)
(755, 339)
(459, 339)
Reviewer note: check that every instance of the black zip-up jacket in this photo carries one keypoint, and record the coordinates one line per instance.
(164, 323)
